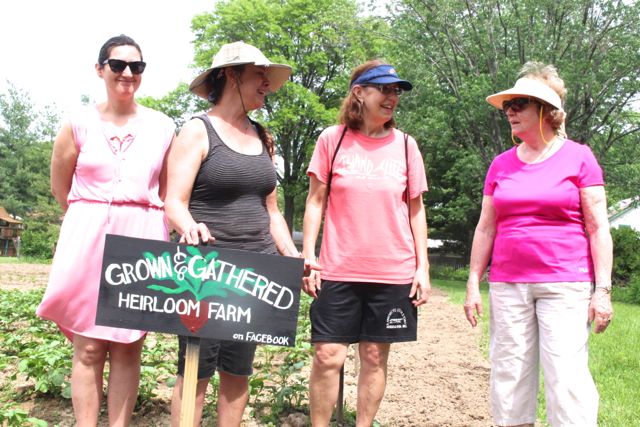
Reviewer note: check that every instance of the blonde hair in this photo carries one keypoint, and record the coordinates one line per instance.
(351, 111)
(548, 74)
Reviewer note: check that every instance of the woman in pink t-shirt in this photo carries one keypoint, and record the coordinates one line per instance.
(544, 227)
(366, 179)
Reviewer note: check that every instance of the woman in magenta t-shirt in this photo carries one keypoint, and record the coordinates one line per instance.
(544, 227)
(366, 179)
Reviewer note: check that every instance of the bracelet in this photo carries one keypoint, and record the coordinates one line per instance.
(606, 289)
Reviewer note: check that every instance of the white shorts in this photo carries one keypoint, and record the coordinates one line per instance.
(546, 323)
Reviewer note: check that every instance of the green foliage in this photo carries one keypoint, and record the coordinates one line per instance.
(279, 384)
(36, 350)
(468, 50)
(449, 273)
(12, 416)
(626, 254)
(34, 345)
(179, 104)
(322, 40)
(26, 139)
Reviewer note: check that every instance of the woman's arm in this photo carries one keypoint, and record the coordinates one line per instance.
(63, 165)
(481, 249)
(594, 209)
(421, 287)
(314, 210)
(279, 228)
(162, 190)
(183, 162)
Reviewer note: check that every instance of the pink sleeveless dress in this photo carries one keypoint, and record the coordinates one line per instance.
(114, 190)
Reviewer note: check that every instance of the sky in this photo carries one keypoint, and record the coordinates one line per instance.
(49, 47)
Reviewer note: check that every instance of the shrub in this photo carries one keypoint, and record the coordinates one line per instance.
(39, 239)
(626, 254)
(448, 272)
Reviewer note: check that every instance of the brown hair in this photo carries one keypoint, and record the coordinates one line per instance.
(548, 74)
(351, 111)
(266, 138)
(216, 84)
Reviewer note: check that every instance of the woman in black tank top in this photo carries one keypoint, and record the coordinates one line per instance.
(222, 190)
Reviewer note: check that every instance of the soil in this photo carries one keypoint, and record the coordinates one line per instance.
(440, 380)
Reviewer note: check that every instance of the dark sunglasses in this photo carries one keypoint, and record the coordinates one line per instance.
(386, 89)
(118, 65)
(516, 104)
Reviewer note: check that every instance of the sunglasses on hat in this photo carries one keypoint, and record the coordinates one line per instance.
(516, 104)
(118, 65)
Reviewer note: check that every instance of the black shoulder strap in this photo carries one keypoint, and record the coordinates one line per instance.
(333, 159)
(406, 160)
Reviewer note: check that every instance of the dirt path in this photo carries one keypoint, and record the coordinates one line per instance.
(439, 380)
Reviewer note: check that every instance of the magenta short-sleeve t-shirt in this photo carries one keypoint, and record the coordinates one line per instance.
(540, 228)
(366, 234)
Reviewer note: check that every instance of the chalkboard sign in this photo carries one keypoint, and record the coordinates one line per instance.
(200, 291)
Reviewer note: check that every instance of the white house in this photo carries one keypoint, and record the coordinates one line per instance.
(626, 213)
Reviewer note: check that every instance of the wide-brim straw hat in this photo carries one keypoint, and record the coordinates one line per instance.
(527, 87)
(239, 53)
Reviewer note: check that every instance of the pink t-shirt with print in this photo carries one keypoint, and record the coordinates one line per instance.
(366, 235)
(540, 234)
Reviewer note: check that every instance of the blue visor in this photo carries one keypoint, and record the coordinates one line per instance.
(382, 74)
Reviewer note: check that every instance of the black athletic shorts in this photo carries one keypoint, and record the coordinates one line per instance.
(350, 312)
(231, 357)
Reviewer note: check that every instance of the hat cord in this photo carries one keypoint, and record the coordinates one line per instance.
(542, 133)
(240, 94)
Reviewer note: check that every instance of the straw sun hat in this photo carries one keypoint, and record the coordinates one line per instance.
(526, 87)
(239, 53)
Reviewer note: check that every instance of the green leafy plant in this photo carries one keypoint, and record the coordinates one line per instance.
(11, 416)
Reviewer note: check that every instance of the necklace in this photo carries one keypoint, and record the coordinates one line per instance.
(540, 157)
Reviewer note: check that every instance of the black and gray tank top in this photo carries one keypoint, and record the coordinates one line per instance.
(229, 195)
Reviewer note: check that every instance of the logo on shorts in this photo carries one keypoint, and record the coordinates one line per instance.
(396, 319)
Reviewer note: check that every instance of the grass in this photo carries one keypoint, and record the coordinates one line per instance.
(614, 359)
(23, 260)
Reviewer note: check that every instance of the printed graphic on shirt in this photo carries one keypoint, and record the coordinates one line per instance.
(363, 167)
(396, 319)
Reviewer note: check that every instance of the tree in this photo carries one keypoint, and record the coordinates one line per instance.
(26, 138)
(458, 52)
(322, 40)
(26, 141)
(178, 104)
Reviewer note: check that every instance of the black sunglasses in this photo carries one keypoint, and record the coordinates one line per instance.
(118, 65)
(385, 89)
(516, 104)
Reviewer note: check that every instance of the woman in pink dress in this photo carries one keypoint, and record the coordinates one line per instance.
(108, 175)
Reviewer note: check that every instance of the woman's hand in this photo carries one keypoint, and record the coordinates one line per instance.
(600, 310)
(197, 233)
(311, 280)
(420, 288)
(473, 303)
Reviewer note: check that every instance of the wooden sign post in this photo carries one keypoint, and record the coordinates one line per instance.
(199, 292)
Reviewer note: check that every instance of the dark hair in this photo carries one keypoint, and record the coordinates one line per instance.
(217, 79)
(216, 82)
(116, 41)
(351, 110)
